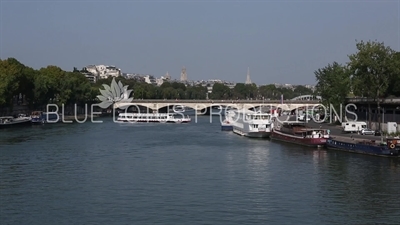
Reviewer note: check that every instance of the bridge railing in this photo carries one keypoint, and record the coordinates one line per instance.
(226, 101)
(370, 100)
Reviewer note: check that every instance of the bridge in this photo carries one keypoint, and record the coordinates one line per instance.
(307, 98)
(156, 105)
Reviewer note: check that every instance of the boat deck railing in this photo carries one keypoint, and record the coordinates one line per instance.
(356, 140)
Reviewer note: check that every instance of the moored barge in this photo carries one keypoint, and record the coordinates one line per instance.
(296, 132)
(390, 148)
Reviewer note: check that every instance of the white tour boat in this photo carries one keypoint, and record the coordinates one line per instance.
(251, 124)
(152, 118)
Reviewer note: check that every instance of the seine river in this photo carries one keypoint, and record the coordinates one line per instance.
(185, 174)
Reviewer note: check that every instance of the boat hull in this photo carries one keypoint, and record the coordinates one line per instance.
(152, 121)
(16, 124)
(309, 142)
(44, 118)
(254, 134)
(362, 148)
(226, 127)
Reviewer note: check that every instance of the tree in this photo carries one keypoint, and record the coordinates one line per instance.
(26, 84)
(220, 91)
(333, 84)
(47, 84)
(252, 91)
(371, 68)
(268, 91)
(302, 90)
(76, 87)
(286, 92)
(393, 89)
(240, 91)
(196, 92)
(12, 72)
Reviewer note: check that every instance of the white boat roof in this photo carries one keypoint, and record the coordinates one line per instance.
(147, 114)
(293, 122)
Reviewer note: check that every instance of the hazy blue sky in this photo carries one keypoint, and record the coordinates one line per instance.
(281, 41)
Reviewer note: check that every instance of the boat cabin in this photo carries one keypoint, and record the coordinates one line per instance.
(299, 128)
(36, 114)
(145, 116)
(292, 126)
(251, 115)
(258, 116)
(312, 133)
(153, 117)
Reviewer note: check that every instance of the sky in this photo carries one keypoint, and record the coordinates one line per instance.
(281, 41)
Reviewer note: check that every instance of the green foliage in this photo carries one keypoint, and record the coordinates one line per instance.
(372, 72)
(394, 80)
(333, 83)
(372, 67)
(245, 91)
(54, 85)
(39, 87)
(220, 91)
(10, 70)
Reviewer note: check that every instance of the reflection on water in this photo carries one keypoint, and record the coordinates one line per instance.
(363, 185)
(185, 174)
(14, 140)
(258, 155)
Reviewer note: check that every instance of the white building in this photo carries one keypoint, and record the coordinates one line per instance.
(150, 79)
(91, 77)
(104, 71)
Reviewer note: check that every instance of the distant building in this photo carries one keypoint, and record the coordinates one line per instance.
(104, 71)
(133, 76)
(167, 76)
(150, 79)
(93, 78)
(248, 80)
(289, 86)
(312, 87)
(183, 74)
(292, 86)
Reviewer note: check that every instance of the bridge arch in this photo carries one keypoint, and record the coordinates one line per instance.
(206, 106)
(307, 98)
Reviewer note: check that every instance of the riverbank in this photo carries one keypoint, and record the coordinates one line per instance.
(337, 131)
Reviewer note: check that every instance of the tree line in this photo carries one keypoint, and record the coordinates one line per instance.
(20, 84)
(372, 72)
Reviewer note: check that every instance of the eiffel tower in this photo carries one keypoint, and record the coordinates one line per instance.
(248, 81)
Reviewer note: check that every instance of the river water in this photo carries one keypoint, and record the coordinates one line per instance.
(185, 174)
